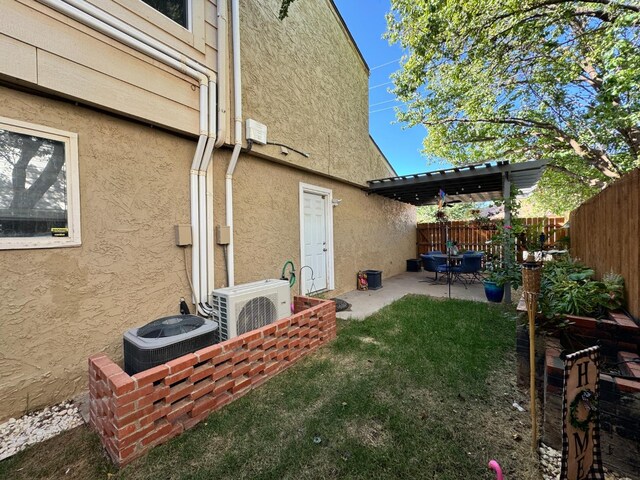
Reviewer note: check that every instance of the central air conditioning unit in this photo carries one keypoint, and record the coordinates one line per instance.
(165, 339)
(243, 308)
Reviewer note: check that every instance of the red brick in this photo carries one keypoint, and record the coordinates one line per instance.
(109, 370)
(630, 367)
(258, 380)
(135, 436)
(630, 386)
(121, 383)
(176, 377)
(158, 393)
(179, 409)
(179, 391)
(282, 343)
(123, 410)
(202, 389)
(201, 372)
(270, 355)
(269, 330)
(284, 325)
(181, 363)
(255, 369)
(125, 431)
(208, 352)
(222, 400)
(251, 336)
(222, 358)
(232, 344)
(240, 356)
(203, 405)
(257, 343)
(282, 355)
(582, 322)
(125, 453)
(152, 375)
(267, 344)
(99, 360)
(222, 372)
(240, 370)
(158, 435)
(157, 413)
(295, 343)
(313, 322)
(223, 386)
(132, 396)
(194, 419)
(132, 417)
(272, 368)
(256, 356)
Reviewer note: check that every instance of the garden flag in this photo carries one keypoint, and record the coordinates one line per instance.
(441, 198)
(581, 458)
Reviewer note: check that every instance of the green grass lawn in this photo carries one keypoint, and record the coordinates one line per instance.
(422, 389)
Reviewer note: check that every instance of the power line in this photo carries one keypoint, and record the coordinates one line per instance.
(382, 103)
(380, 85)
(385, 64)
(383, 109)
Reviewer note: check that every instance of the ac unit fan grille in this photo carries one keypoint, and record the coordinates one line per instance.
(170, 326)
(256, 313)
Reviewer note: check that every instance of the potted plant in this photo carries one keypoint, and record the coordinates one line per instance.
(497, 277)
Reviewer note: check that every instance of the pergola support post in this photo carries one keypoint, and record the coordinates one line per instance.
(507, 247)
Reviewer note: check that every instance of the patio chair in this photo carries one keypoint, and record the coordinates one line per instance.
(470, 266)
(434, 264)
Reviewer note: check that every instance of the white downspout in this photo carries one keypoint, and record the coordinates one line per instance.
(114, 28)
(221, 133)
(237, 108)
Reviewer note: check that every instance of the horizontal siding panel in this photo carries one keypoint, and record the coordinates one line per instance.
(78, 81)
(17, 59)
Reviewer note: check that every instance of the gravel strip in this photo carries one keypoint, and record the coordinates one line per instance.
(35, 427)
(550, 460)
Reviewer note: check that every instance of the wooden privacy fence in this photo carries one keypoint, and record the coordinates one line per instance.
(605, 232)
(432, 236)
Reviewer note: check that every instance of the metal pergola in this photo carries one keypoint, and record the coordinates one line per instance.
(471, 183)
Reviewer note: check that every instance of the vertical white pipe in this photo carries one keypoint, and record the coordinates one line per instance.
(222, 33)
(237, 107)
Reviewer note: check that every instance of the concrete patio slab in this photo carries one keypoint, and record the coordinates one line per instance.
(365, 303)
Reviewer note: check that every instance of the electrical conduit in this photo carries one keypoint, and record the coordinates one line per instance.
(237, 109)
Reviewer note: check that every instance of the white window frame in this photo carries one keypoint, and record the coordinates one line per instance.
(328, 199)
(70, 141)
(189, 26)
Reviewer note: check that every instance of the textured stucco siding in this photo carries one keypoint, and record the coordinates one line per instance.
(305, 80)
(370, 232)
(61, 305)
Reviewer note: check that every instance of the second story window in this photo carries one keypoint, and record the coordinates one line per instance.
(176, 10)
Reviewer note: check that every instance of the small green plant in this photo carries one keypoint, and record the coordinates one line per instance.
(502, 273)
(568, 287)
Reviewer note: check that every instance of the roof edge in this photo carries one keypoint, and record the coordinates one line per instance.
(383, 155)
(348, 32)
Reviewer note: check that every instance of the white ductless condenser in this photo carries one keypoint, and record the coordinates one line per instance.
(246, 307)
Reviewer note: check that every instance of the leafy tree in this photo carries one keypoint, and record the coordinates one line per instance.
(457, 211)
(525, 79)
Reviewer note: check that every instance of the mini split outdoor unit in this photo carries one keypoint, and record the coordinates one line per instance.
(243, 308)
(165, 339)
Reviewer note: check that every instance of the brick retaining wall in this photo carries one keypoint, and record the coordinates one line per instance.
(135, 413)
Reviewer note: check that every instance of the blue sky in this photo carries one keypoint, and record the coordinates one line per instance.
(402, 146)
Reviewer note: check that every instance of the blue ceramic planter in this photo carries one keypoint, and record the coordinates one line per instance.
(493, 292)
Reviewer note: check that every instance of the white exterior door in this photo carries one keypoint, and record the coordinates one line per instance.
(316, 239)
